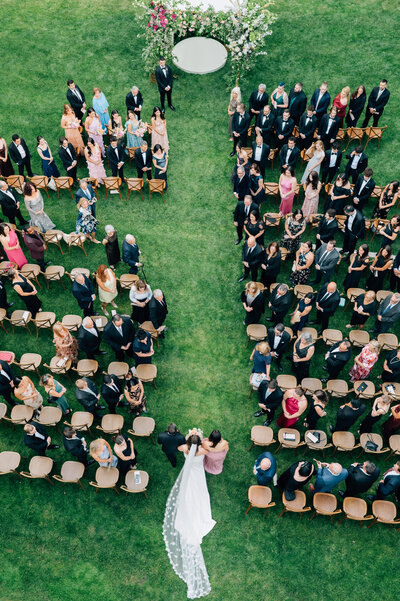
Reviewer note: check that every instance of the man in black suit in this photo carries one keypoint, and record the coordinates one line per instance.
(37, 439)
(358, 162)
(260, 154)
(297, 102)
(76, 98)
(347, 415)
(331, 163)
(20, 154)
(320, 100)
(265, 124)
(86, 191)
(112, 391)
(377, 101)
(240, 126)
(328, 299)
(158, 312)
(390, 483)
(279, 303)
(251, 259)
(289, 154)
(116, 157)
(326, 259)
(388, 314)
(241, 183)
(75, 444)
(119, 334)
(307, 127)
(257, 101)
(131, 253)
(89, 338)
(82, 289)
(134, 101)
(327, 228)
(360, 478)
(269, 399)
(87, 395)
(395, 275)
(354, 230)
(165, 78)
(328, 128)
(278, 339)
(170, 440)
(67, 154)
(284, 125)
(7, 383)
(336, 358)
(143, 160)
(241, 213)
(10, 204)
(363, 189)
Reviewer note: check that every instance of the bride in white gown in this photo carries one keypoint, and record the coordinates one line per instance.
(188, 519)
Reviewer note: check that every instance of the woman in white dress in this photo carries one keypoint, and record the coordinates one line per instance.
(316, 152)
(188, 519)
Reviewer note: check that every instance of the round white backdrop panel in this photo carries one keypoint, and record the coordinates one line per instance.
(199, 55)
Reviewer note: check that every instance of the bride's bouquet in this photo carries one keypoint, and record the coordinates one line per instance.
(195, 431)
(141, 130)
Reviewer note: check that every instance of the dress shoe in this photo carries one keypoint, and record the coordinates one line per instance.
(324, 380)
(172, 107)
(331, 428)
(311, 323)
(258, 413)
(100, 407)
(232, 154)
(244, 277)
(237, 242)
(324, 368)
(268, 319)
(53, 446)
(267, 422)
(90, 462)
(341, 493)
(101, 353)
(9, 305)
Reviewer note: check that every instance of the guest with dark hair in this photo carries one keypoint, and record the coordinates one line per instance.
(26, 291)
(360, 478)
(76, 98)
(358, 162)
(289, 154)
(327, 228)
(301, 313)
(165, 79)
(278, 339)
(339, 196)
(377, 101)
(312, 187)
(134, 394)
(331, 163)
(354, 229)
(265, 124)
(10, 243)
(67, 154)
(159, 133)
(142, 348)
(7, 382)
(257, 189)
(56, 393)
(49, 167)
(390, 483)
(294, 404)
(75, 444)
(295, 226)
(297, 102)
(265, 469)
(217, 449)
(37, 439)
(269, 399)
(279, 303)
(270, 264)
(358, 264)
(112, 391)
(347, 415)
(336, 358)
(240, 125)
(363, 189)
(380, 267)
(10, 204)
(254, 226)
(19, 152)
(170, 440)
(328, 127)
(380, 407)
(116, 157)
(35, 207)
(307, 127)
(320, 100)
(160, 162)
(295, 478)
(36, 246)
(284, 125)
(126, 453)
(390, 231)
(356, 106)
(319, 401)
(302, 265)
(387, 200)
(391, 367)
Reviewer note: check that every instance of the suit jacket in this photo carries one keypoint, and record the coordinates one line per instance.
(330, 304)
(362, 163)
(358, 227)
(34, 443)
(239, 214)
(74, 101)
(14, 152)
(309, 129)
(390, 485)
(114, 339)
(280, 304)
(392, 314)
(241, 186)
(265, 123)
(139, 159)
(283, 344)
(347, 416)
(4, 381)
(329, 262)
(336, 357)
(74, 445)
(88, 342)
(112, 157)
(294, 155)
(130, 254)
(240, 124)
(380, 104)
(86, 398)
(64, 156)
(81, 194)
(162, 80)
(273, 400)
(255, 104)
(327, 231)
(287, 129)
(327, 159)
(110, 395)
(358, 482)
(83, 293)
(35, 244)
(253, 257)
(323, 126)
(157, 312)
(366, 192)
(170, 442)
(297, 104)
(264, 154)
(8, 203)
(324, 102)
(131, 103)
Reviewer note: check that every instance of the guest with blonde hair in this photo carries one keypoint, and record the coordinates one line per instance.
(86, 222)
(261, 357)
(101, 452)
(234, 100)
(364, 362)
(253, 303)
(26, 392)
(66, 345)
(140, 295)
(107, 283)
(70, 124)
(341, 101)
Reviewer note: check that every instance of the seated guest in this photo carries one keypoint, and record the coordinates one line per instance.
(387, 200)
(36, 246)
(119, 334)
(116, 157)
(143, 160)
(327, 228)
(253, 303)
(326, 259)
(354, 229)
(295, 226)
(388, 314)
(294, 403)
(269, 399)
(390, 483)
(301, 313)
(365, 305)
(55, 393)
(251, 258)
(328, 127)
(7, 382)
(363, 189)
(265, 468)
(67, 154)
(328, 299)
(75, 444)
(89, 338)
(254, 226)
(360, 478)
(391, 367)
(37, 439)
(241, 184)
(217, 449)
(339, 196)
(278, 339)
(303, 351)
(170, 440)
(380, 267)
(82, 289)
(357, 163)
(270, 264)
(289, 154)
(101, 452)
(381, 406)
(19, 152)
(260, 154)
(336, 358)
(142, 348)
(302, 264)
(134, 394)
(297, 102)
(158, 312)
(131, 253)
(261, 357)
(86, 191)
(307, 127)
(241, 214)
(140, 295)
(111, 391)
(295, 478)
(329, 475)
(284, 125)
(358, 264)
(347, 415)
(257, 189)
(110, 242)
(257, 101)
(279, 303)
(317, 409)
(126, 453)
(87, 395)
(66, 345)
(331, 163)
(265, 124)
(10, 204)
(390, 231)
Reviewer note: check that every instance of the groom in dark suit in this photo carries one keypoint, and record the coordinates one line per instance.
(76, 98)
(377, 101)
(165, 79)
(170, 440)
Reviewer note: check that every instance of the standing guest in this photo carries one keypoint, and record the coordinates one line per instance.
(75, 444)
(66, 345)
(363, 189)
(251, 258)
(125, 451)
(265, 124)
(142, 348)
(301, 313)
(94, 162)
(360, 478)
(339, 196)
(19, 152)
(86, 222)
(140, 295)
(107, 283)
(319, 403)
(241, 214)
(356, 106)
(119, 334)
(380, 407)
(143, 160)
(55, 393)
(115, 127)
(316, 154)
(257, 101)
(241, 184)
(295, 226)
(279, 303)
(89, 338)
(279, 99)
(269, 399)
(49, 167)
(165, 78)
(36, 246)
(216, 448)
(328, 299)
(134, 101)
(86, 191)
(329, 475)
(358, 264)
(289, 154)
(111, 391)
(294, 403)
(387, 200)
(328, 128)
(242, 160)
(327, 228)
(94, 130)
(297, 102)
(76, 98)
(354, 229)
(331, 162)
(260, 153)
(347, 415)
(170, 440)
(283, 129)
(101, 452)
(26, 391)
(295, 478)
(326, 259)
(100, 106)
(270, 264)
(303, 351)
(37, 439)
(10, 204)
(395, 275)
(380, 266)
(336, 358)
(159, 133)
(35, 207)
(87, 395)
(320, 100)
(365, 361)
(134, 394)
(83, 291)
(265, 469)
(7, 382)
(132, 126)
(261, 357)
(391, 367)
(4, 304)
(71, 124)
(278, 339)
(253, 303)
(377, 101)
(67, 154)
(287, 190)
(307, 127)
(257, 189)
(392, 425)
(389, 232)
(160, 162)
(390, 483)
(116, 156)
(312, 188)
(158, 311)
(25, 290)
(234, 99)
(10, 243)
(341, 102)
(6, 167)
(388, 314)
(357, 163)
(131, 253)
(240, 126)
(364, 306)
(254, 226)
(111, 244)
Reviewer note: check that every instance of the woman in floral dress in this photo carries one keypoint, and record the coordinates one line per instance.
(294, 227)
(365, 361)
(66, 345)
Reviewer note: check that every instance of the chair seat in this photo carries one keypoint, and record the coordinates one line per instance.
(81, 419)
(50, 416)
(262, 435)
(118, 368)
(72, 471)
(256, 331)
(143, 426)
(30, 361)
(40, 466)
(259, 496)
(72, 322)
(146, 372)
(9, 461)
(130, 481)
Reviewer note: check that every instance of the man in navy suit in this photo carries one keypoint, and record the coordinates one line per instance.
(329, 475)
(377, 101)
(82, 289)
(320, 100)
(240, 126)
(130, 253)
(297, 102)
(85, 190)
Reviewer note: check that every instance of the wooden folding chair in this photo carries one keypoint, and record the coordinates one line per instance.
(9, 462)
(131, 153)
(20, 415)
(57, 366)
(112, 183)
(375, 439)
(72, 322)
(156, 185)
(354, 134)
(39, 467)
(118, 369)
(31, 272)
(64, 183)
(111, 423)
(71, 473)
(359, 338)
(95, 184)
(289, 438)
(367, 393)
(54, 237)
(384, 512)
(20, 318)
(106, 478)
(260, 497)
(355, 509)
(54, 273)
(148, 327)
(86, 368)
(132, 486)
(126, 280)
(320, 445)
(344, 441)
(286, 381)
(75, 270)
(272, 189)
(337, 388)
(325, 504)
(81, 421)
(134, 184)
(41, 182)
(272, 220)
(374, 133)
(256, 332)
(261, 436)
(143, 427)
(15, 181)
(147, 372)
(271, 157)
(298, 505)
(29, 362)
(331, 336)
(388, 341)
(78, 240)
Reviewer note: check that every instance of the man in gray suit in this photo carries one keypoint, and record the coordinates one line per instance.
(326, 259)
(388, 314)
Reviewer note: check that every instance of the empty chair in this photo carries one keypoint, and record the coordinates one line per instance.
(337, 388)
(15, 181)
(394, 444)
(382, 294)
(272, 189)
(388, 342)
(54, 273)
(112, 183)
(44, 321)
(20, 318)
(81, 420)
(289, 438)
(20, 415)
(100, 321)
(126, 280)
(355, 509)
(78, 240)
(375, 439)
(39, 467)
(147, 372)
(359, 338)
(136, 481)
(286, 381)
(50, 416)
(9, 462)
(143, 427)
(118, 368)
(354, 134)
(106, 478)
(344, 441)
(86, 368)
(325, 504)
(54, 237)
(3, 410)
(260, 497)
(298, 505)
(111, 423)
(311, 384)
(30, 362)
(311, 331)
(331, 336)
(3, 314)
(385, 513)
(364, 389)
(156, 185)
(261, 436)
(134, 184)
(256, 331)
(71, 473)
(64, 183)
(374, 133)
(72, 322)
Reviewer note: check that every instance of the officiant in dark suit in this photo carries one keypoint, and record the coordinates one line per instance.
(143, 160)
(257, 101)
(10, 204)
(76, 98)
(165, 79)
(170, 440)
(240, 126)
(89, 338)
(67, 154)
(377, 101)
(119, 334)
(134, 101)
(297, 102)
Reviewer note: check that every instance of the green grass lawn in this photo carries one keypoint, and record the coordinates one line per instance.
(65, 544)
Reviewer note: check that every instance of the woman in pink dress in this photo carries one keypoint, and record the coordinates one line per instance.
(365, 361)
(159, 129)
(94, 162)
(341, 102)
(9, 240)
(287, 189)
(94, 129)
(294, 403)
(217, 449)
(312, 188)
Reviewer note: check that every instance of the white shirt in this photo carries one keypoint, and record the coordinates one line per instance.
(379, 94)
(87, 389)
(144, 157)
(330, 121)
(277, 340)
(333, 159)
(69, 152)
(75, 91)
(91, 330)
(38, 435)
(21, 151)
(364, 183)
(257, 155)
(319, 99)
(284, 123)
(350, 222)
(289, 152)
(3, 373)
(164, 70)
(326, 296)
(355, 161)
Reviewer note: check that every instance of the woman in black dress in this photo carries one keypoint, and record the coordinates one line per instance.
(125, 451)
(295, 477)
(391, 367)
(319, 402)
(358, 264)
(381, 265)
(380, 407)
(389, 232)
(303, 351)
(253, 303)
(340, 195)
(257, 189)
(140, 295)
(356, 106)
(112, 247)
(270, 264)
(364, 306)
(26, 291)
(254, 226)
(387, 200)
(6, 167)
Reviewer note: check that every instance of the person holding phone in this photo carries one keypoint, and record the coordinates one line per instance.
(329, 475)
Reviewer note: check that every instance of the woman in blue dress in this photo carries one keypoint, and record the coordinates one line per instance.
(132, 125)
(160, 162)
(49, 167)
(100, 105)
